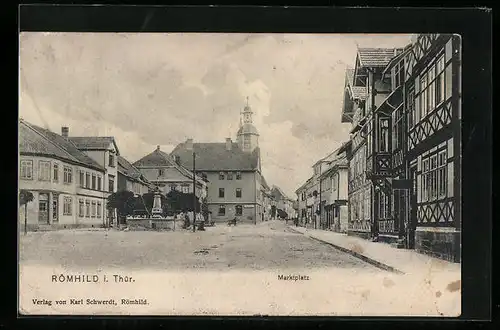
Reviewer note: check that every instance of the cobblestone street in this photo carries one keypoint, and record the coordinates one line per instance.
(263, 246)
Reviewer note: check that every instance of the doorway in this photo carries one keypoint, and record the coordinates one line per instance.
(43, 208)
(412, 221)
(55, 208)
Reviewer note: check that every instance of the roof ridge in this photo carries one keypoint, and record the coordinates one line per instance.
(31, 126)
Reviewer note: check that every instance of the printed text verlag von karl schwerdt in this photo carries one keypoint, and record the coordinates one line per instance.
(91, 278)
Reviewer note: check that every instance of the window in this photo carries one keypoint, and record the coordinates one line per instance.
(111, 160)
(221, 175)
(56, 172)
(111, 183)
(43, 170)
(411, 107)
(238, 192)
(68, 175)
(82, 179)
(173, 187)
(229, 175)
(99, 209)
(81, 208)
(440, 80)
(87, 180)
(384, 206)
(442, 174)
(93, 181)
(434, 180)
(239, 210)
(384, 135)
(221, 192)
(161, 172)
(222, 210)
(238, 175)
(99, 182)
(431, 100)
(87, 209)
(67, 209)
(93, 209)
(185, 189)
(27, 169)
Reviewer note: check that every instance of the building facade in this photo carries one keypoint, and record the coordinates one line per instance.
(233, 171)
(67, 185)
(333, 182)
(168, 174)
(131, 179)
(104, 151)
(404, 152)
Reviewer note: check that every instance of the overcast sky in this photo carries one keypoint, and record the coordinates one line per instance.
(159, 89)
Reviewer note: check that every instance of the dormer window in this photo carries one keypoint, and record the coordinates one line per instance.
(111, 160)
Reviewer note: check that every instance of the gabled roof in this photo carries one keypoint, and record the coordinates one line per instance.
(375, 57)
(40, 141)
(129, 170)
(162, 159)
(215, 157)
(93, 142)
(303, 186)
(278, 194)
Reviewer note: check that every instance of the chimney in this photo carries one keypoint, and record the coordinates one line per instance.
(158, 148)
(229, 144)
(189, 144)
(65, 131)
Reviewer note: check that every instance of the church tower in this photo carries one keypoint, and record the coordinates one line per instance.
(247, 136)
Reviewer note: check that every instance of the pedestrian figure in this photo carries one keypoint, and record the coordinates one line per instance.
(186, 221)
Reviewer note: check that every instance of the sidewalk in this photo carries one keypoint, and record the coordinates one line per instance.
(383, 255)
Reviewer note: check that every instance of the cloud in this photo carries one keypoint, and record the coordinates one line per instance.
(159, 89)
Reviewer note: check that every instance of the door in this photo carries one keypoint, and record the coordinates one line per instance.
(55, 209)
(412, 221)
(43, 208)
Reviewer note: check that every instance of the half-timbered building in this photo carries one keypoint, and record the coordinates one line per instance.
(433, 108)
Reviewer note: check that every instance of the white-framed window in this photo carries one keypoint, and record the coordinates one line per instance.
(94, 183)
(81, 208)
(222, 210)
(43, 170)
(27, 169)
(239, 210)
(55, 175)
(229, 175)
(434, 181)
(87, 180)
(221, 175)
(173, 187)
(111, 183)
(67, 206)
(68, 174)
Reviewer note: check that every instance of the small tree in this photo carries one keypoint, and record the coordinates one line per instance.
(25, 197)
(123, 202)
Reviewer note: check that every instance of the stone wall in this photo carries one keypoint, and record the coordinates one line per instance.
(439, 244)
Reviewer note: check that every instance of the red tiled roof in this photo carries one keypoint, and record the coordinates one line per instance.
(373, 57)
(37, 140)
(215, 157)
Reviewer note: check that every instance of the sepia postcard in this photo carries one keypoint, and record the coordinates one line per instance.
(239, 174)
